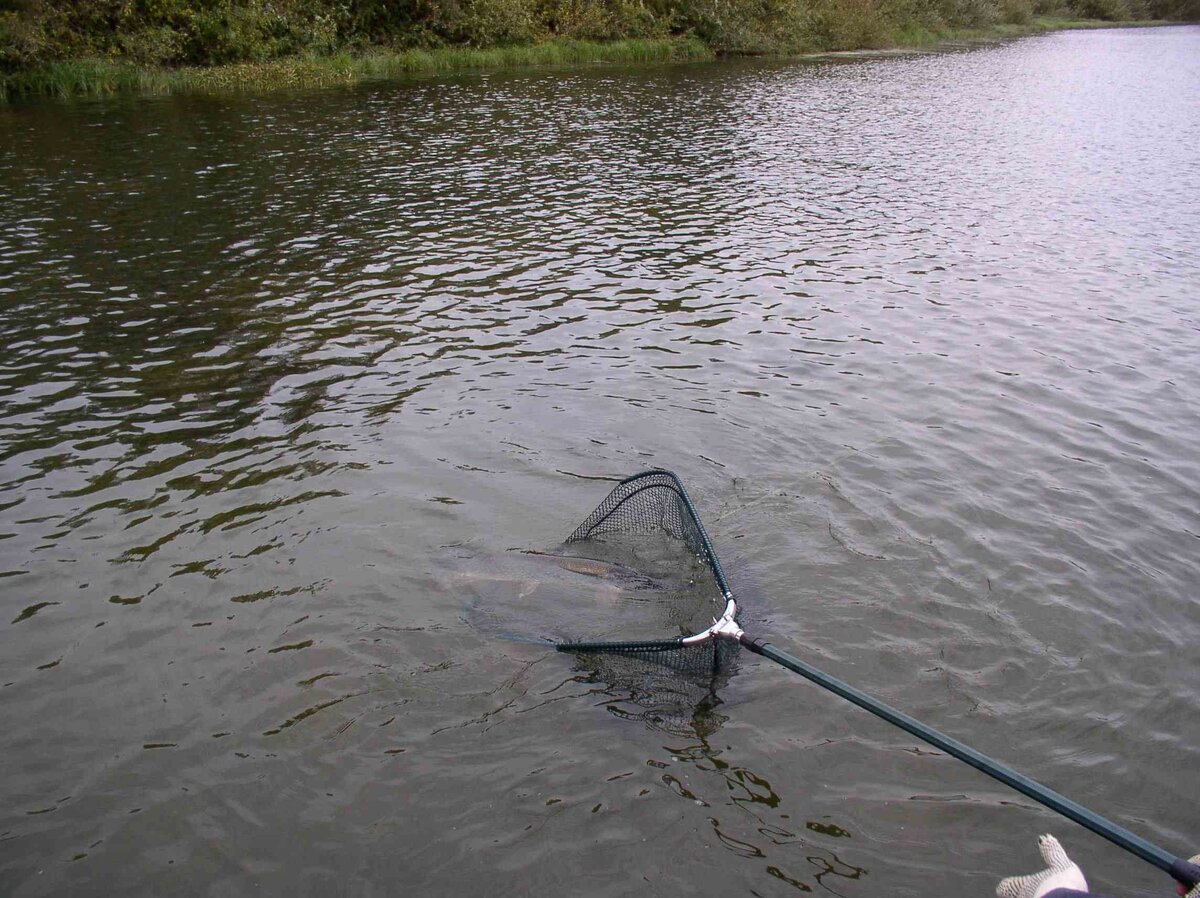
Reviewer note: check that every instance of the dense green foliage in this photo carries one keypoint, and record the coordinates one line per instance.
(211, 32)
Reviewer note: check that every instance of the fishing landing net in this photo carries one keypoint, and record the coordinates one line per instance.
(690, 623)
(693, 625)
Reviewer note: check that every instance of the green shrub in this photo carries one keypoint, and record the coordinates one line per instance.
(150, 46)
(1056, 8)
(847, 24)
(916, 15)
(1108, 10)
(971, 13)
(20, 44)
(479, 23)
(592, 20)
(37, 34)
(1177, 10)
(1016, 12)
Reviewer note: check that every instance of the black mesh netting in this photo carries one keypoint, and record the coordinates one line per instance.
(648, 523)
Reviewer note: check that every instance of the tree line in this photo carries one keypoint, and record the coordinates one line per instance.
(212, 32)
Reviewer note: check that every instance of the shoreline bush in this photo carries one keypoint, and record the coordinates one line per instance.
(67, 47)
(175, 33)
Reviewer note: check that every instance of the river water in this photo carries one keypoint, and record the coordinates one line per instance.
(921, 334)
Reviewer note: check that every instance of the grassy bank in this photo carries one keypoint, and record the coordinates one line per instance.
(98, 77)
(864, 33)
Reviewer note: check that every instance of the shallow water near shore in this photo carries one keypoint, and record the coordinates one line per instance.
(921, 334)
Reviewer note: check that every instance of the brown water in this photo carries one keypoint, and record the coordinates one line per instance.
(921, 334)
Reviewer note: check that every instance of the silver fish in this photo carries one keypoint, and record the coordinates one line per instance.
(546, 596)
(527, 571)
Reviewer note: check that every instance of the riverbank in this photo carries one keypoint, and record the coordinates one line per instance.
(96, 77)
(100, 77)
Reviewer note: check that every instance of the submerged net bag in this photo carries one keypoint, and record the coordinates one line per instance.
(648, 521)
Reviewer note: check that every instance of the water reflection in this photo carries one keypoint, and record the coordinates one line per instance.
(746, 815)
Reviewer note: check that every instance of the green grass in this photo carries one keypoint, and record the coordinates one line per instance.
(91, 78)
(72, 78)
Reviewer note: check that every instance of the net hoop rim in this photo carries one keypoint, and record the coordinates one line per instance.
(725, 626)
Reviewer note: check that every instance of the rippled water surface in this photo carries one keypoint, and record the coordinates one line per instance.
(922, 334)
